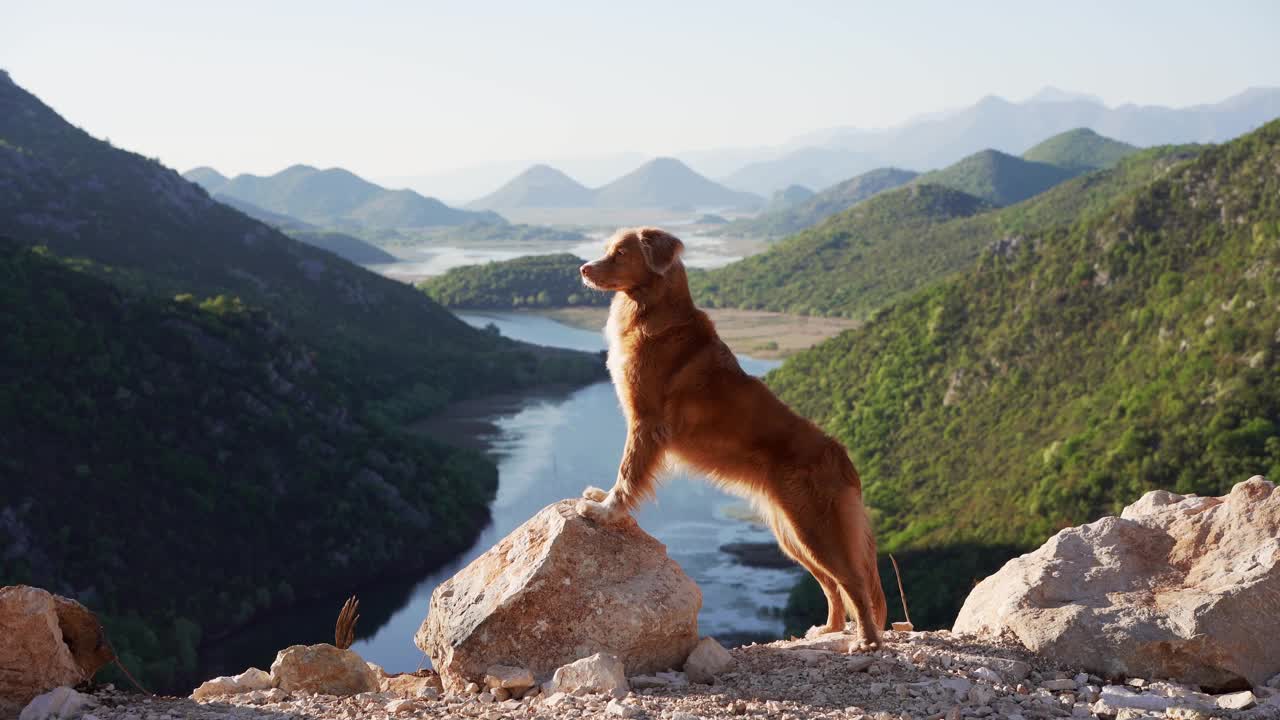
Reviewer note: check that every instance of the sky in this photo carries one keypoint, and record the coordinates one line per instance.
(415, 87)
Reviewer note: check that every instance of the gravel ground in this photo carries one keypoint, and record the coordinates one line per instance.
(917, 675)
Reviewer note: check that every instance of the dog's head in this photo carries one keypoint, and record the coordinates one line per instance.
(633, 259)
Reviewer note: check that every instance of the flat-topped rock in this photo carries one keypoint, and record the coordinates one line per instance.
(557, 589)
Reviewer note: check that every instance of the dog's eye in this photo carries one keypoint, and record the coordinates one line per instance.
(620, 253)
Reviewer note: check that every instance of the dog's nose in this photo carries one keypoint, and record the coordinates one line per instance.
(583, 269)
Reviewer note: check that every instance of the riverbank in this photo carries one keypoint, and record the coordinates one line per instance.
(758, 333)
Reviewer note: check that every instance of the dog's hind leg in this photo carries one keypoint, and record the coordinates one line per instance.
(836, 614)
(834, 531)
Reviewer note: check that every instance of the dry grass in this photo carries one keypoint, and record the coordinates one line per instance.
(760, 334)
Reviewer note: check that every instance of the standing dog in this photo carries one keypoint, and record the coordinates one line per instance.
(684, 394)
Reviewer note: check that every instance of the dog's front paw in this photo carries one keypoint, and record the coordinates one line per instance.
(594, 493)
(602, 513)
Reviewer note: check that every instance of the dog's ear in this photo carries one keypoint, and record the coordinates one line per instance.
(660, 248)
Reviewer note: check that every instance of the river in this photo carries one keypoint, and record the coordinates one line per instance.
(548, 445)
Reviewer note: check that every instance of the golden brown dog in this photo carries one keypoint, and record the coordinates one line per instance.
(684, 395)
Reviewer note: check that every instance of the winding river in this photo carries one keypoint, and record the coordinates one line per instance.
(548, 446)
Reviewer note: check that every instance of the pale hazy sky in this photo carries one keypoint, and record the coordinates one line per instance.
(399, 88)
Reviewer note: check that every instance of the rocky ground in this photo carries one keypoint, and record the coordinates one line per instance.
(917, 675)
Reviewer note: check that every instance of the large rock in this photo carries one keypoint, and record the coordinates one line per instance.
(1178, 587)
(557, 589)
(84, 635)
(322, 669)
(33, 655)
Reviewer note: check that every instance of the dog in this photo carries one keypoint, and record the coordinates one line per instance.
(686, 398)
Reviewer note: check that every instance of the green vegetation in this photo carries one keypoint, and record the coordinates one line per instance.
(528, 282)
(201, 421)
(186, 461)
(788, 197)
(1081, 150)
(998, 178)
(882, 250)
(794, 211)
(1129, 346)
(850, 264)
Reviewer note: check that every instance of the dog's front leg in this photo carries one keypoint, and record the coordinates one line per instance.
(640, 459)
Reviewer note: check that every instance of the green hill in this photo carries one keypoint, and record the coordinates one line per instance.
(998, 178)
(183, 466)
(787, 197)
(805, 213)
(267, 399)
(1079, 151)
(902, 240)
(1124, 348)
(336, 197)
(852, 263)
(531, 281)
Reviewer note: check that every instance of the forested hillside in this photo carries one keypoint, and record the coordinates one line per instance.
(1075, 366)
(200, 418)
(533, 281)
(187, 462)
(782, 219)
(883, 249)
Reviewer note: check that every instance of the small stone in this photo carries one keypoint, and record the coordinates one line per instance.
(981, 694)
(485, 698)
(556, 699)
(1186, 713)
(739, 707)
(1135, 682)
(601, 672)
(501, 693)
(773, 707)
(1081, 679)
(1236, 701)
(987, 674)
(509, 677)
(903, 627)
(708, 659)
(617, 709)
(644, 682)
(684, 716)
(1059, 684)
(60, 702)
(472, 688)
(402, 706)
(858, 663)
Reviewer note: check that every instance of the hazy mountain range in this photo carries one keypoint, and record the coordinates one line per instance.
(821, 158)
(658, 183)
(998, 178)
(335, 197)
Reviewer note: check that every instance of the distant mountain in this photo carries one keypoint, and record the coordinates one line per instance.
(998, 178)
(337, 197)
(1050, 94)
(788, 197)
(1080, 150)
(940, 139)
(816, 167)
(207, 178)
(819, 207)
(540, 186)
(667, 182)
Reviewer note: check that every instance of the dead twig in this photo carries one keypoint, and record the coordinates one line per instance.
(901, 594)
(344, 633)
